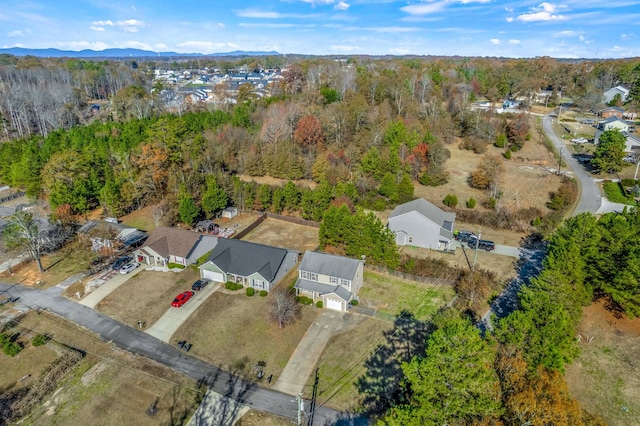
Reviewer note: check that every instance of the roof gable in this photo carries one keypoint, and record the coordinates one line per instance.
(245, 258)
(172, 241)
(329, 264)
(426, 209)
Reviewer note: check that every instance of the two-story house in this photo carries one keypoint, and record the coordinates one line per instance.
(333, 279)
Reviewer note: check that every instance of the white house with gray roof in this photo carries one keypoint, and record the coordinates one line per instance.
(333, 279)
(250, 264)
(422, 224)
(611, 93)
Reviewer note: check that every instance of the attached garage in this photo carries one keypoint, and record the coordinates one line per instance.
(213, 276)
(334, 304)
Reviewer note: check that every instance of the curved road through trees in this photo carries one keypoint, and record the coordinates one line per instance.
(530, 263)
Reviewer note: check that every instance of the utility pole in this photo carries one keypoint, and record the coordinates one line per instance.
(560, 160)
(300, 408)
(312, 409)
(475, 254)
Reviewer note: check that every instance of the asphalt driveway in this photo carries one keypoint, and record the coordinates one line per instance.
(169, 323)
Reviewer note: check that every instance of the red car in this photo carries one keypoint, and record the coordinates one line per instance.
(181, 299)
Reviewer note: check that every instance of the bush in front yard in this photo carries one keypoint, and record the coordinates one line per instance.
(304, 300)
(354, 302)
(232, 286)
(12, 348)
(175, 266)
(263, 293)
(39, 340)
(319, 304)
(471, 203)
(250, 291)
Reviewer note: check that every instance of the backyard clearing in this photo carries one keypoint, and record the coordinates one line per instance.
(280, 233)
(605, 378)
(390, 296)
(234, 332)
(72, 258)
(146, 296)
(111, 385)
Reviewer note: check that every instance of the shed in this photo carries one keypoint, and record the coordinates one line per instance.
(230, 212)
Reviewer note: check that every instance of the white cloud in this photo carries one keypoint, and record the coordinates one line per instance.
(129, 25)
(495, 41)
(626, 36)
(514, 41)
(543, 12)
(19, 33)
(134, 45)
(98, 29)
(567, 33)
(509, 19)
(341, 5)
(424, 8)
(103, 23)
(81, 45)
(508, 9)
(160, 47)
(261, 14)
(343, 48)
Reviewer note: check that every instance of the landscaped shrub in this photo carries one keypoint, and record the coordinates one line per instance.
(250, 291)
(12, 348)
(39, 340)
(629, 182)
(263, 293)
(4, 338)
(319, 304)
(354, 302)
(471, 203)
(304, 300)
(616, 193)
(501, 141)
(175, 266)
(232, 286)
(507, 154)
(450, 201)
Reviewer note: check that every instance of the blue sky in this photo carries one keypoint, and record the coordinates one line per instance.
(522, 28)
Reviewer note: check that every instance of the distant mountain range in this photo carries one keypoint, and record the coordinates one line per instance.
(120, 53)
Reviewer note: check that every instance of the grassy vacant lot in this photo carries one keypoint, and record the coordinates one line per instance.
(141, 219)
(30, 362)
(60, 265)
(343, 361)
(390, 295)
(234, 332)
(146, 296)
(109, 386)
(284, 234)
(605, 378)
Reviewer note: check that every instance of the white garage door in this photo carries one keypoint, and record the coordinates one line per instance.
(213, 276)
(334, 304)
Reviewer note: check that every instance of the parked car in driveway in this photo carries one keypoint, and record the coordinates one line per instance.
(182, 298)
(579, 140)
(200, 284)
(120, 262)
(463, 235)
(129, 267)
(481, 244)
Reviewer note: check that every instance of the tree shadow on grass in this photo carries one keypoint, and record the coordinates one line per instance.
(381, 384)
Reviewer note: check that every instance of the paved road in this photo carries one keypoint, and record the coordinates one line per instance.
(590, 195)
(140, 343)
(591, 200)
(171, 321)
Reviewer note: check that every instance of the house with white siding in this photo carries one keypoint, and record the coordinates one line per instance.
(420, 223)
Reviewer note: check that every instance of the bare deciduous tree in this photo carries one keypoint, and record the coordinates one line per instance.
(283, 307)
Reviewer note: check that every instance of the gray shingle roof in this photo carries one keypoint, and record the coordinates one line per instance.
(317, 287)
(329, 264)
(172, 241)
(245, 258)
(426, 209)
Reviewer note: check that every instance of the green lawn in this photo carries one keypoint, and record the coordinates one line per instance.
(392, 295)
(616, 194)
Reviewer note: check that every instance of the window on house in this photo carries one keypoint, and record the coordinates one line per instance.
(313, 276)
(346, 283)
(304, 275)
(410, 239)
(333, 280)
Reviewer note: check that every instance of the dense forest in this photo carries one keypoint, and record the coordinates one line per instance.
(362, 133)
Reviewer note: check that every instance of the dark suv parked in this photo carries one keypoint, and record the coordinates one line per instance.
(482, 244)
(120, 262)
(463, 235)
(199, 285)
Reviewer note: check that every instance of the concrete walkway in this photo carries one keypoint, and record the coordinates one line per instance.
(169, 323)
(217, 410)
(105, 289)
(306, 356)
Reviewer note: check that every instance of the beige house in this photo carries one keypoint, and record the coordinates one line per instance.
(171, 245)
